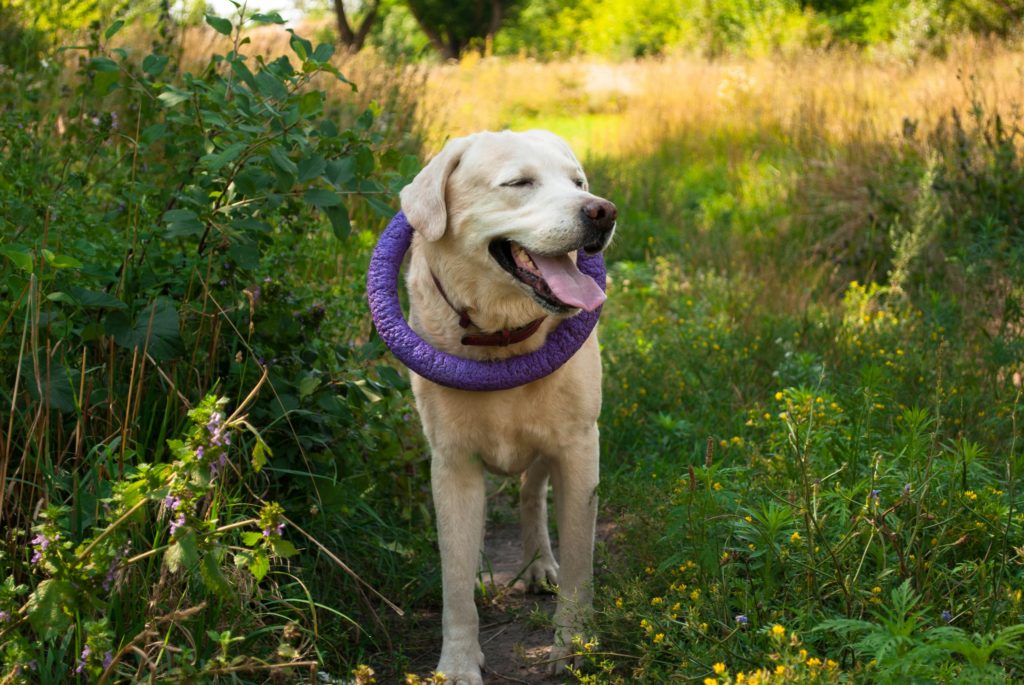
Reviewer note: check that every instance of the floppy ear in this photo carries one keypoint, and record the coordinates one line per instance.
(423, 199)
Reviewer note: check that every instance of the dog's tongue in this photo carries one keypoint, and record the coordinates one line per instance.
(568, 283)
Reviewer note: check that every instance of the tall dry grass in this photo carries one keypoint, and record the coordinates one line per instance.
(629, 108)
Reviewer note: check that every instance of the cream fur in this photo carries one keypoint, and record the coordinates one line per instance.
(546, 430)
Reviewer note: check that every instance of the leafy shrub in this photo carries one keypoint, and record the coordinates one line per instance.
(165, 238)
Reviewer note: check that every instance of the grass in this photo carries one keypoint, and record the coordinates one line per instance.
(810, 433)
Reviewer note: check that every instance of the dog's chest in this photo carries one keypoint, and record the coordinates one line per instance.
(507, 430)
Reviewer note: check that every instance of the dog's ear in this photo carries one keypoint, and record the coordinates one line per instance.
(423, 200)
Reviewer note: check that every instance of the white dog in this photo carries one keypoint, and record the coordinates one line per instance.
(499, 218)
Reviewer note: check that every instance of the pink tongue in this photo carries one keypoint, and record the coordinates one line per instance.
(568, 283)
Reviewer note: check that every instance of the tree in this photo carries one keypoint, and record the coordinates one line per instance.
(454, 25)
(351, 37)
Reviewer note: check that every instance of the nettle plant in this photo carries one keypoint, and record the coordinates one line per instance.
(187, 514)
(145, 216)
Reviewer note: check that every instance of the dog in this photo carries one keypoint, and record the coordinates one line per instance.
(498, 219)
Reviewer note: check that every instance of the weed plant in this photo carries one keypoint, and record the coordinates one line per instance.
(194, 412)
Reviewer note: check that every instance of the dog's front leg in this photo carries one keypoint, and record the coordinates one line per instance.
(458, 487)
(540, 571)
(575, 477)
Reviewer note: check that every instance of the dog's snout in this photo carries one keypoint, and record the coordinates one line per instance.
(599, 213)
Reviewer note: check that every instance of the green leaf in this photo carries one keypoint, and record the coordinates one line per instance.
(22, 260)
(92, 298)
(153, 65)
(251, 538)
(311, 103)
(301, 46)
(182, 222)
(267, 18)
(311, 167)
(280, 158)
(183, 553)
(50, 607)
(390, 376)
(62, 261)
(340, 222)
(212, 575)
(380, 207)
(216, 161)
(323, 52)
(321, 197)
(259, 565)
(58, 387)
(308, 385)
(173, 96)
(155, 328)
(103, 64)
(114, 28)
(259, 455)
(219, 24)
(270, 86)
(283, 548)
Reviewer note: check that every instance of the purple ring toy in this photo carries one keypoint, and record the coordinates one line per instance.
(458, 372)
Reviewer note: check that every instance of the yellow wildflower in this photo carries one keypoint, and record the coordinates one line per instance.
(778, 631)
(814, 662)
(778, 396)
(969, 494)
(718, 668)
(795, 537)
(659, 638)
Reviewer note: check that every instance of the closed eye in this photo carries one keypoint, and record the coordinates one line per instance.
(580, 182)
(519, 183)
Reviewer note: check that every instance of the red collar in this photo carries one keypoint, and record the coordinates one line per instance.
(502, 338)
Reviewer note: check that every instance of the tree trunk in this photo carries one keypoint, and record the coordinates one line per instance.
(354, 40)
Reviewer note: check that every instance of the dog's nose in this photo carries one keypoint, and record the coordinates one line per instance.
(599, 213)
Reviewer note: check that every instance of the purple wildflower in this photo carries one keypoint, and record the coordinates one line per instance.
(108, 658)
(81, 662)
(172, 502)
(947, 616)
(200, 451)
(4, 616)
(742, 619)
(874, 494)
(41, 542)
(177, 523)
(906, 490)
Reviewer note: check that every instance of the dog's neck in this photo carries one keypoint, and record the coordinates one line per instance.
(439, 305)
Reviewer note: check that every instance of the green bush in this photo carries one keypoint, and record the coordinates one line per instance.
(166, 238)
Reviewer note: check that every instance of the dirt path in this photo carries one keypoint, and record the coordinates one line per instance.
(514, 644)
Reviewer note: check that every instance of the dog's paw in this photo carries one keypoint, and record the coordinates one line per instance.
(541, 575)
(462, 669)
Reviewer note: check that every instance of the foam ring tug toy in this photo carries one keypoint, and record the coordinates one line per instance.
(458, 372)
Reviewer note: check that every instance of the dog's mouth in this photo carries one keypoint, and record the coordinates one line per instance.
(554, 281)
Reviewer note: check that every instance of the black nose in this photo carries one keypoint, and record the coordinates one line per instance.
(599, 214)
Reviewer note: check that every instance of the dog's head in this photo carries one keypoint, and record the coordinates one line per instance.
(513, 208)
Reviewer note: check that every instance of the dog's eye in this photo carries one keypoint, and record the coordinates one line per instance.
(580, 182)
(518, 183)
